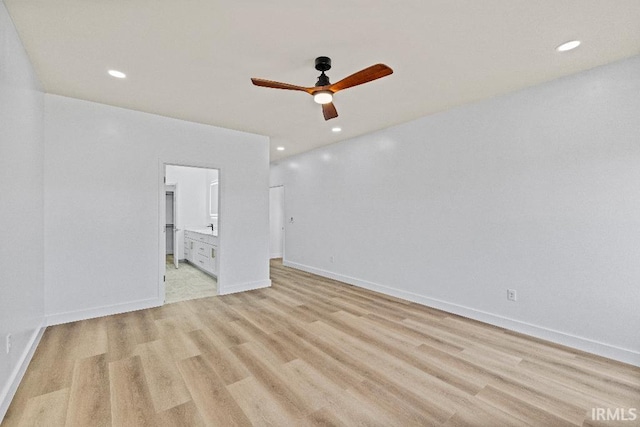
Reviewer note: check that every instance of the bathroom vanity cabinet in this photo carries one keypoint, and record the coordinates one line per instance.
(201, 250)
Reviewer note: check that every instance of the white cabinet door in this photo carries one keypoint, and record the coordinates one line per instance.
(201, 261)
(189, 246)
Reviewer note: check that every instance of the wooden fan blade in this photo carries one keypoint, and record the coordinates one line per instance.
(363, 76)
(329, 111)
(278, 85)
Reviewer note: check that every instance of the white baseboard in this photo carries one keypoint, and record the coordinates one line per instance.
(559, 337)
(107, 310)
(9, 390)
(245, 287)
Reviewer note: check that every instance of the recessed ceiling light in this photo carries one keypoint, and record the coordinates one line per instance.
(280, 148)
(564, 47)
(336, 129)
(117, 74)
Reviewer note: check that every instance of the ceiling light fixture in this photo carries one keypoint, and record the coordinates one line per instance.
(323, 97)
(117, 74)
(323, 90)
(336, 129)
(567, 46)
(280, 148)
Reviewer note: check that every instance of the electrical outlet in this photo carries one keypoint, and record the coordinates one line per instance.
(511, 295)
(8, 343)
(331, 258)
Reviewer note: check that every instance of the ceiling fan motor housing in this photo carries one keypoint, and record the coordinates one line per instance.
(323, 63)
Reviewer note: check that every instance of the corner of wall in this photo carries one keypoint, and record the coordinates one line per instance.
(242, 287)
(11, 386)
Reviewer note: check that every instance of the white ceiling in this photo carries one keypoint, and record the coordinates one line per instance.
(193, 59)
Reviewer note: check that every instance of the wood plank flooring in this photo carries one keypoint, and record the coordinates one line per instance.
(311, 351)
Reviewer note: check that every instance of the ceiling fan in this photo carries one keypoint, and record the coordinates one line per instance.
(323, 90)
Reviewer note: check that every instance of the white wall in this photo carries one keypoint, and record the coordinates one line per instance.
(103, 184)
(538, 191)
(21, 208)
(193, 198)
(276, 221)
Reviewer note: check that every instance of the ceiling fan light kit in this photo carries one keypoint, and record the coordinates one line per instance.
(323, 97)
(323, 90)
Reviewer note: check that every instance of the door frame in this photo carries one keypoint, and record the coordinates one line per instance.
(162, 173)
(173, 188)
(176, 252)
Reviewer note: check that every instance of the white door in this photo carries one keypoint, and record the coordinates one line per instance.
(276, 221)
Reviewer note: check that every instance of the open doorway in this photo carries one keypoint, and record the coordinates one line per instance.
(190, 234)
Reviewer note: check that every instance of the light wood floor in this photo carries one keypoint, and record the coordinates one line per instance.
(310, 351)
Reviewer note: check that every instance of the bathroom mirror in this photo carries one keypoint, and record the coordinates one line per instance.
(213, 199)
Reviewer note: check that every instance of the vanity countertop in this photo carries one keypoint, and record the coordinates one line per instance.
(206, 231)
